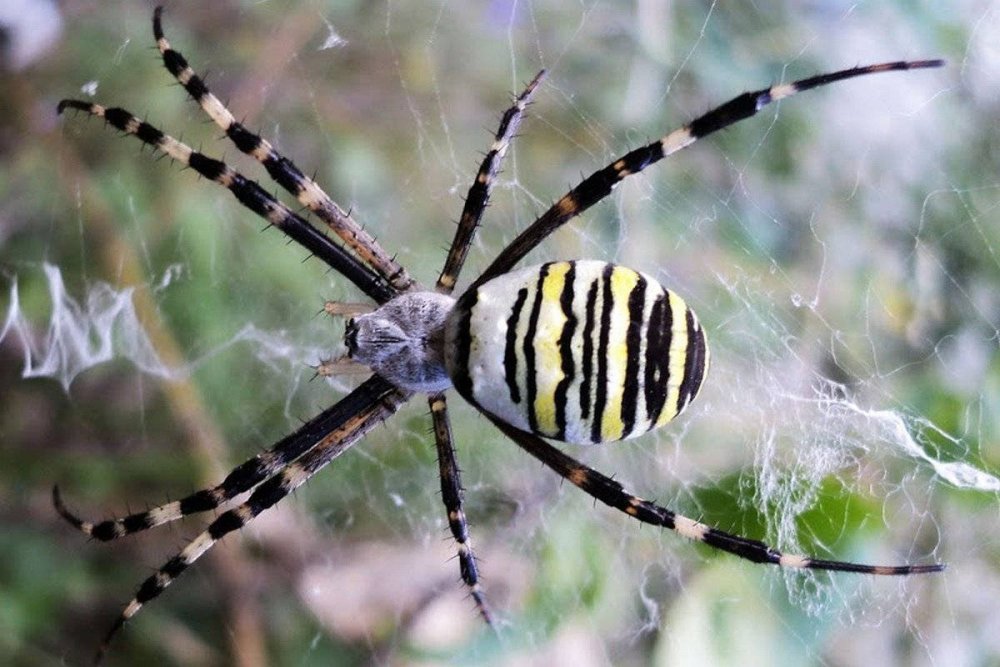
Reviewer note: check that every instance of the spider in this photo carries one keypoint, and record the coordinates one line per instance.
(577, 351)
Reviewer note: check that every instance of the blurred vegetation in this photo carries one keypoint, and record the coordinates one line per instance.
(842, 251)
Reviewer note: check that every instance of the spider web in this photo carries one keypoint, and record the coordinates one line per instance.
(840, 250)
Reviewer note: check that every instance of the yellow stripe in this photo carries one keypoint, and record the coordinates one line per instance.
(678, 355)
(623, 281)
(548, 362)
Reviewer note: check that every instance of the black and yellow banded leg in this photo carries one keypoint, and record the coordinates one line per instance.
(612, 493)
(249, 193)
(451, 494)
(281, 169)
(479, 193)
(246, 476)
(354, 424)
(598, 185)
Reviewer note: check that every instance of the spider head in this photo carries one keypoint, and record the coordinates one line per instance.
(403, 341)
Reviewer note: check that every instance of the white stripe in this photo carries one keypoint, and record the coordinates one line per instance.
(690, 528)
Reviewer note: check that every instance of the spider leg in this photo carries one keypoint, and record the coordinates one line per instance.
(244, 477)
(340, 366)
(249, 193)
(346, 309)
(612, 493)
(351, 424)
(598, 185)
(451, 493)
(479, 192)
(281, 169)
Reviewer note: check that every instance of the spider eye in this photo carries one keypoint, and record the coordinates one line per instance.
(351, 336)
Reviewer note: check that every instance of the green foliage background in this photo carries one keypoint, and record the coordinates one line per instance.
(850, 235)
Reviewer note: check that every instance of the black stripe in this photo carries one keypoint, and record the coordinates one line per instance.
(566, 351)
(255, 198)
(694, 364)
(149, 134)
(173, 567)
(226, 523)
(152, 587)
(281, 169)
(175, 64)
(753, 550)
(733, 111)
(104, 531)
(607, 305)
(510, 349)
(214, 169)
(254, 470)
(632, 163)
(149, 590)
(273, 490)
(120, 118)
(202, 501)
(530, 369)
(479, 191)
(242, 138)
(657, 371)
(588, 350)
(463, 345)
(459, 527)
(108, 530)
(633, 343)
(136, 522)
(285, 173)
(824, 79)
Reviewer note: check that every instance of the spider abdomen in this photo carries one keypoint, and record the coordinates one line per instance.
(579, 351)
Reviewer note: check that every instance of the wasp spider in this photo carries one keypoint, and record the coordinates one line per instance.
(578, 351)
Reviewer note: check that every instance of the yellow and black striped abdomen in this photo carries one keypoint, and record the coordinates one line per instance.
(581, 351)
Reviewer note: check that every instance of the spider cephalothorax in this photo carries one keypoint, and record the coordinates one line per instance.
(581, 351)
(586, 351)
(403, 341)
